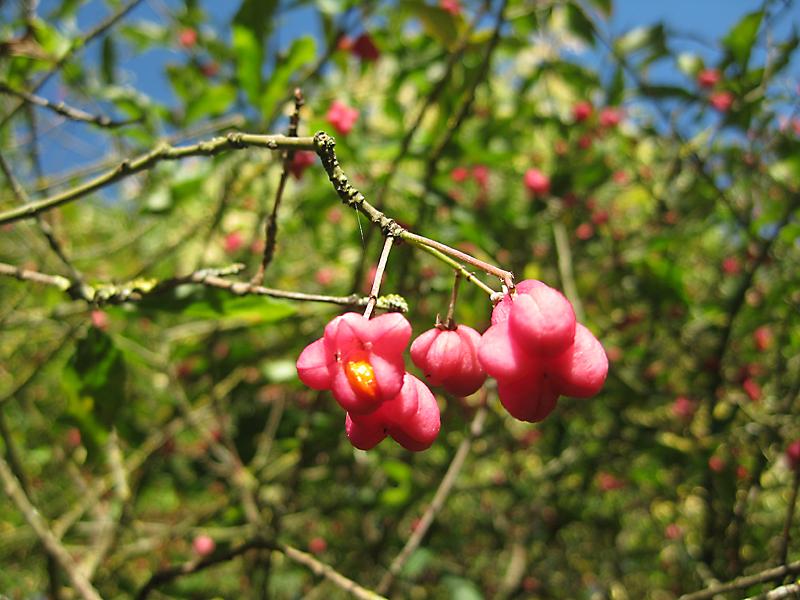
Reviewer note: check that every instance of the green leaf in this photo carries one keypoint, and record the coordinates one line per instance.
(214, 101)
(742, 36)
(461, 589)
(579, 23)
(689, 63)
(399, 473)
(436, 21)
(108, 62)
(787, 171)
(604, 6)
(302, 51)
(651, 39)
(250, 28)
(95, 380)
(202, 302)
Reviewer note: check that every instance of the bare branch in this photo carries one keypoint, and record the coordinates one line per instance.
(13, 490)
(740, 583)
(74, 114)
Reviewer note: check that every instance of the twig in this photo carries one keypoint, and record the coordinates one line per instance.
(271, 226)
(450, 322)
(74, 114)
(376, 281)
(565, 268)
(439, 498)
(44, 226)
(164, 151)
(782, 555)
(779, 593)
(316, 567)
(77, 45)
(12, 489)
(741, 583)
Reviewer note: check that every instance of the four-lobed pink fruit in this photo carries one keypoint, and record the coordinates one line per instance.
(536, 351)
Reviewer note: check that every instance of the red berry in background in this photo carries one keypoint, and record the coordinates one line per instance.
(537, 182)
(233, 242)
(209, 69)
(325, 276)
(610, 116)
(742, 472)
(300, 162)
(317, 545)
(708, 78)
(762, 338)
(360, 360)
(342, 117)
(584, 231)
(600, 217)
(481, 175)
(585, 142)
(345, 43)
(411, 418)
(364, 48)
(673, 531)
(459, 174)
(536, 351)
(721, 101)
(793, 455)
(752, 389)
(450, 359)
(620, 177)
(451, 6)
(73, 437)
(731, 265)
(203, 545)
(187, 37)
(99, 319)
(684, 408)
(608, 482)
(716, 464)
(582, 111)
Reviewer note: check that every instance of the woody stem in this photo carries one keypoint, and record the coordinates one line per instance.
(449, 321)
(376, 282)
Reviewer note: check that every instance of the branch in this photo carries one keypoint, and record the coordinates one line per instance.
(162, 152)
(741, 583)
(439, 498)
(271, 226)
(77, 45)
(74, 114)
(13, 490)
(316, 567)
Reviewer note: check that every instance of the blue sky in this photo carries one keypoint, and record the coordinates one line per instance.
(700, 21)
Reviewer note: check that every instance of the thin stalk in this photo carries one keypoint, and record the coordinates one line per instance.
(376, 282)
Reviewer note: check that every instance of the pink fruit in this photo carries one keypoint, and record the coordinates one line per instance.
(233, 242)
(317, 545)
(762, 338)
(537, 351)
(342, 117)
(300, 162)
(721, 101)
(752, 389)
(610, 116)
(793, 455)
(187, 37)
(450, 359)
(708, 78)
(364, 48)
(99, 319)
(459, 174)
(582, 111)
(537, 182)
(451, 6)
(683, 408)
(360, 360)
(716, 464)
(411, 418)
(584, 231)
(203, 545)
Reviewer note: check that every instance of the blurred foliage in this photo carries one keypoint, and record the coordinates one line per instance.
(683, 242)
